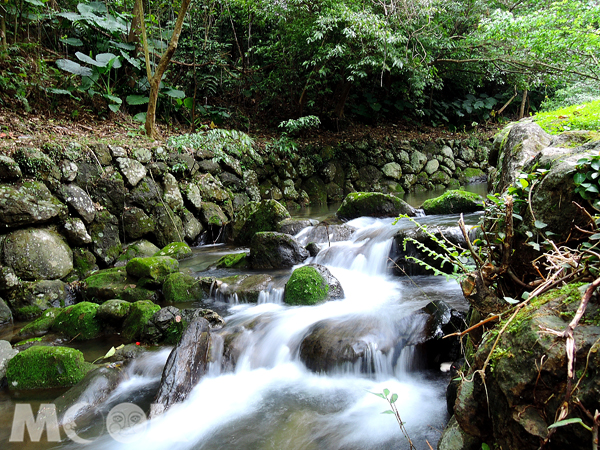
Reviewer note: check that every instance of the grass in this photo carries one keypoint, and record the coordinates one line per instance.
(585, 116)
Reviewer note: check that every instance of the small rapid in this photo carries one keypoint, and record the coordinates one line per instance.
(259, 392)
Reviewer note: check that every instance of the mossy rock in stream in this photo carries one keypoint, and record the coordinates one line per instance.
(155, 268)
(177, 250)
(373, 204)
(180, 287)
(256, 217)
(138, 319)
(453, 202)
(79, 322)
(115, 283)
(306, 286)
(41, 367)
(113, 311)
(233, 261)
(41, 325)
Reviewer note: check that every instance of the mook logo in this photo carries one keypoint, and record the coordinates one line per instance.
(125, 423)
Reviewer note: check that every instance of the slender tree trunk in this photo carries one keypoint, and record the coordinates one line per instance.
(339, 107)
(523, 103)
(154, 78)
(3, 26)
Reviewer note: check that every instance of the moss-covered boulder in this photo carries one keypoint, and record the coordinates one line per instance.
(312, 284)
(37, 253)
(41, 367)
(373, 204)
(6, 317)
(138, 319)
(180, 287)
(177, 250)
(39, 326)
(270, 250)
(138, 249)
(453, 202)
(233, 261)
(211, 214)
(113, 312)
(155, 268)
(114, 283)
(78, 322)
(84, 263)
(256, 217)
(40, 294)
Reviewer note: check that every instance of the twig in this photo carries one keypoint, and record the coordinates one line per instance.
(477, 325)
(461, 224)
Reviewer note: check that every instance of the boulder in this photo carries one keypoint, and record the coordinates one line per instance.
(316, 190)
(233, 261)
(293, 226)
(256, 217)
(28, 203)
(171, 193)
(147, 194)
(138, 249)
(312, 284)
(155, 268)
(271, 250)
(245, 287)
(453, 202)
(212, 215)
(133, 171)
(41, 367)
(136, 223)
(106, 243)
(42, 295)
(76, 232)
(186, 365)
(192, 227)
(79, 200)
(175, 250)
(113, 312)
(168, 225)
(392, 170)
(114, 283)
(524, 140)
(179, 287)
(211, 189)
(6, 317)
(525, 396)
(6, 354)
(138, 320)
(35, 164)
(373, 204)
(36, 253)
(78, 322)
(39, 326)
(9, 169)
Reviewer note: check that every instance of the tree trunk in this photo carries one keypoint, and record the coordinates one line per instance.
(154, 78)
(3, 27)
(339, 107)
(523, 103)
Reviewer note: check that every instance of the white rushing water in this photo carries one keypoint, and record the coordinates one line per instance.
(272, 401)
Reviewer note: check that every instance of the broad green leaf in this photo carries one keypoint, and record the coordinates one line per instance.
(579, 178)
(108, 60)
(113, 107)
(388, 412)
(539, 224)
(386, 392)
(511, 300)
(113, 98)
(72, 67)
(595, 237)
(86, 59)
(110, 353)
(72, 41)
(135, 62)
(562, 423)
(59, 91)
(140, 117)
(175, 93)
(137, 99)
(394, 398)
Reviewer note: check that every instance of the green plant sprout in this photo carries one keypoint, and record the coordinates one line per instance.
(391, 399)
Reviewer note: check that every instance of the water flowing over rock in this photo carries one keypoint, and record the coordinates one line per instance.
(373, 204)
(186, 365)
(36, 253)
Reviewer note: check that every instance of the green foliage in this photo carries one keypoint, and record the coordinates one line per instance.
(294, 126)
(577, 117)
(391, 400)
(587, 179)
(585, 91)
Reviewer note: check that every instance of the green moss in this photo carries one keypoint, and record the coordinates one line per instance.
(306, 286)
(372, 204)
(179, 287)
(41, 325)
(113, 311)
(139, 315)
(256, 217)
(237, 260)
(174, 331)
(28, 312)
(41, 367)
(453, 202)
(79, 321)
(177, 250)
(114, 284)
(154, 267)
(28, 341)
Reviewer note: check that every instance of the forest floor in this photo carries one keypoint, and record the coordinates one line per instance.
(18, 129)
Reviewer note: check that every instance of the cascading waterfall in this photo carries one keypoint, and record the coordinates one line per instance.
(270, 400)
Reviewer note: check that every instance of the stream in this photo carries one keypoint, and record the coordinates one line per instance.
(270, 400)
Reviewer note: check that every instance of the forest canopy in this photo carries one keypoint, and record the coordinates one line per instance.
(441, 62)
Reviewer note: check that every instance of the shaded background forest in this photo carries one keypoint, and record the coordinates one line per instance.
(250, 64)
